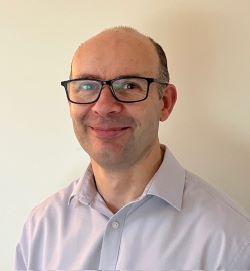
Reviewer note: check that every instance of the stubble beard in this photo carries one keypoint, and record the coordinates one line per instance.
(114, 156)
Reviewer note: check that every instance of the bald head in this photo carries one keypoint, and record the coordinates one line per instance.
(124, 47)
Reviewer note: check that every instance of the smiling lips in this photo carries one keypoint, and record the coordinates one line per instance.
(110, 132)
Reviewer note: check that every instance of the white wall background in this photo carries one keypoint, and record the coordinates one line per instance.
(207, 44)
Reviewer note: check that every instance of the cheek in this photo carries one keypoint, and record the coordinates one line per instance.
(78, 112)
(148, 119)
(154, 111)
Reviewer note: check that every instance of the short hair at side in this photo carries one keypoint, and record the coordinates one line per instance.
(163, 69)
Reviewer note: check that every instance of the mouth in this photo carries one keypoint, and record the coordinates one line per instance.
(109, 133)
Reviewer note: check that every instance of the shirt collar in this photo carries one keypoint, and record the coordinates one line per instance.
(167, 183)
(84, 189)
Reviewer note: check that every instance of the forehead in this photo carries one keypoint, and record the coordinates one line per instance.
(114, 53)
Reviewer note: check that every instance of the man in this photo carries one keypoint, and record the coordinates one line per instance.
(135, 207)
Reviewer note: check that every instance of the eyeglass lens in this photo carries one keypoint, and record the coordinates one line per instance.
(125, 89)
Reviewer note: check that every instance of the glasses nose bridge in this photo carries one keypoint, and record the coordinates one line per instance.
(107, 83)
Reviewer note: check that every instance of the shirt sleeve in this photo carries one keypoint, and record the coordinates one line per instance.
(22, 249)
(19, 259)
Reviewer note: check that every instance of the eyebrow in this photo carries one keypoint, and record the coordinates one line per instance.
(87, 76)
(96, 77)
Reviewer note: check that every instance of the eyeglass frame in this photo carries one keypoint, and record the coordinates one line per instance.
(109, 83)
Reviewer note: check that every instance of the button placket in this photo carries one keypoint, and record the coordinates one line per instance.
(112, 240)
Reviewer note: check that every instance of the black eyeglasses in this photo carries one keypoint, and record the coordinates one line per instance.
(128, 89)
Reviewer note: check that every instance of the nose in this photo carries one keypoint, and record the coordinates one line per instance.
(107, 104)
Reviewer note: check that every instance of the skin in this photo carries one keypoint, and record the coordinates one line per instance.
(120, 138)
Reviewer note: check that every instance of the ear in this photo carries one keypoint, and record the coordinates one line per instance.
(168, 101)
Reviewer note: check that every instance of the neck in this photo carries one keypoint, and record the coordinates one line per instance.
(123, 186)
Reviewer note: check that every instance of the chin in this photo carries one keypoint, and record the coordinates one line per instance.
(108, 161)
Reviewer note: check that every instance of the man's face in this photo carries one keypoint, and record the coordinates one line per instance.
(115, 134)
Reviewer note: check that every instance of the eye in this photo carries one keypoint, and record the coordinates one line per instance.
(125, 85)
(129, 85)
(87, 86)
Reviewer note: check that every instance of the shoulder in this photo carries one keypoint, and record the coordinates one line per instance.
(54, 205)
(221, 220)
(201, 192)
(214, 209)
(44, 222)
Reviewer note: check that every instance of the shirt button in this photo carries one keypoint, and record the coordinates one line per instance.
(115, 225)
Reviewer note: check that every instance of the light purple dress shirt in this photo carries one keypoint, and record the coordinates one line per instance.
(179, 222)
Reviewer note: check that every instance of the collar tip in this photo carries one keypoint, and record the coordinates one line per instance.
(69, 200)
